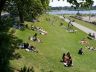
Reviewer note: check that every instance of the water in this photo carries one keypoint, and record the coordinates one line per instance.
(72, 12)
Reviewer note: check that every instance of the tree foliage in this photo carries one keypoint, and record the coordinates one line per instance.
(45, 3)
(25, 8)
(82, 3)
(8, 42)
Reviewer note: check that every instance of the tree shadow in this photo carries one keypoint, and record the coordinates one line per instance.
(8, 44)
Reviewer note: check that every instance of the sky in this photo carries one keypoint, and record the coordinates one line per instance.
(62, 3)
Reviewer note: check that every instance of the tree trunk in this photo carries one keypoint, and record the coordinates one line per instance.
(21, 15)
(2, 3)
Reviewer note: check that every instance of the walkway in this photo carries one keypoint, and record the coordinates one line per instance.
(83, 28)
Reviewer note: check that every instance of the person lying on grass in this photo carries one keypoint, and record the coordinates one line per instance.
(23, 45)
(40, 30)
(28, 47)
(31, 48)
(84, 41)
(91, 48)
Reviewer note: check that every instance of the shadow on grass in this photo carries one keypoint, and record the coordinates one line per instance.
(8, 44)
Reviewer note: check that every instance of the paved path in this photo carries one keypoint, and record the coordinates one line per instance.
(83, 28)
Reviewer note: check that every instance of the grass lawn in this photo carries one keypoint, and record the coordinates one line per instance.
(89, 25)
(53, 45)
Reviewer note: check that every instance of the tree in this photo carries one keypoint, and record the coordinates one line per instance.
(34, 8)
(27, 9)
(2, 3)
(45, 3)
(88, 4)
(82, 3)
(8, 42)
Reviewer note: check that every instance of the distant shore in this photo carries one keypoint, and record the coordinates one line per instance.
(72, 12)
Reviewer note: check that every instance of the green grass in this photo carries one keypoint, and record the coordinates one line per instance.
(89, 25)
(53, 45)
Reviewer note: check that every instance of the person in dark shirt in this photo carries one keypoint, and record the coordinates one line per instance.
(80, 52)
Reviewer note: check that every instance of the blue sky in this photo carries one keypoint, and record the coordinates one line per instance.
(62, 3)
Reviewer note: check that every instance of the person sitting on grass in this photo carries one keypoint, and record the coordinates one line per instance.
(67, 60)
(91, 36)
(34, 38)
(80, 52)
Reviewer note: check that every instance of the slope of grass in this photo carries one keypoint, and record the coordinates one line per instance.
(53, 45)
(89, 25)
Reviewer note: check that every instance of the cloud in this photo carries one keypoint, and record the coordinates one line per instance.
(57, 3)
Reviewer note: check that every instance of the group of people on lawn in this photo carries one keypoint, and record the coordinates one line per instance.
(28, 47)
(85, 42)
(67, 59)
